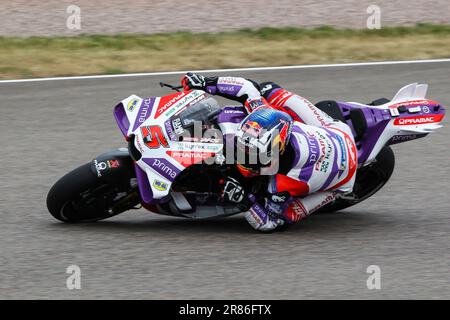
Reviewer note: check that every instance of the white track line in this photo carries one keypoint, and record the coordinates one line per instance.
(127, 75)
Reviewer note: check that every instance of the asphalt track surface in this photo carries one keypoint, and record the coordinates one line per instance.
(49, 128)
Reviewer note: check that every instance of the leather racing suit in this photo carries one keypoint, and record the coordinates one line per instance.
(323, 159)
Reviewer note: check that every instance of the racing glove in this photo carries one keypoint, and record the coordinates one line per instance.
(197, 81)
(263, 218)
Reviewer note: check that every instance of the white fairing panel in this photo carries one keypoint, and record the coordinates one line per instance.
(163, 157)
(413, 91)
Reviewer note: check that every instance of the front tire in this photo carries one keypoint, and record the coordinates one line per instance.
(80, 196)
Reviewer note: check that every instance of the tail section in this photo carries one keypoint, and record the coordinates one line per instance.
(412, 115)
(408, 116)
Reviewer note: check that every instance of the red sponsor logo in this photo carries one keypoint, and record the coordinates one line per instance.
(414, 103)
(187, 158)
(168, 101)
(296, 211)
(252, 128)
(280, 97)
(113, 163)
(418, 120)
(326, 201)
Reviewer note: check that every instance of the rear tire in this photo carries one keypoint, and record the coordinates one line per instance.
(80, 196)
(369, 180)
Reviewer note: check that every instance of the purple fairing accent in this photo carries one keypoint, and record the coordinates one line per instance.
(169, 131)
(230, 89)
(335, 170)
(403, 138)
(121, 118)
(232, 114)
(144, 112)
(313, 146)
(211, 89)
(259, 210)
(377, 120)
(144, 186)
(163, 167)
(272, 92)
(296, 146)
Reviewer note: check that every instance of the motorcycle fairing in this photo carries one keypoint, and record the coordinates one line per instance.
(163, 158)
(409, 115)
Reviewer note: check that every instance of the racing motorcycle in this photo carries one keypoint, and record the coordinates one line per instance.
(170, 173)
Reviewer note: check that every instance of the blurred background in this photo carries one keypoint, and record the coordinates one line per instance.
(62, 38)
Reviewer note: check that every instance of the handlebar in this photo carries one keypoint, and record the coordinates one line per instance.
(176, 88)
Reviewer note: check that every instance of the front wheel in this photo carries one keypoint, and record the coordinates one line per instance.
(80, 196)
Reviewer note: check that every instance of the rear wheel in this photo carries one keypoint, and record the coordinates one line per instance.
(369, 180)
(80, 196)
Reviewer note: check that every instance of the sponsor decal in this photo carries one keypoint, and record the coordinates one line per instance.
(233, 111)
(280, 97)
(132, 104)
(319, 115)
(323, 163)
(166, 102)
(176, 124)
(252, 128)
(138, 144)
(418, 120)
(352, 151)
(327, 200)
(144, 112)
(313, 147)
(196, 96)
(172, 103)
(196, 147)
(228, 88)
(414, 103)
(160, 185)
(343, 152)
(187, 158)
(402, 138)
(163, 167)
(201, 140)
(296, 211)
(108, 164)
(266, 88)
(279, 198)
(258, 213)
(253, 104)
(169, 130)
(230, 80)
(414, 109)
(394, 112)
(425, 109)
(154, 137)
(274, 208)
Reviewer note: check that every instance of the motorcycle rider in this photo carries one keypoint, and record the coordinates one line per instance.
(318, 157)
